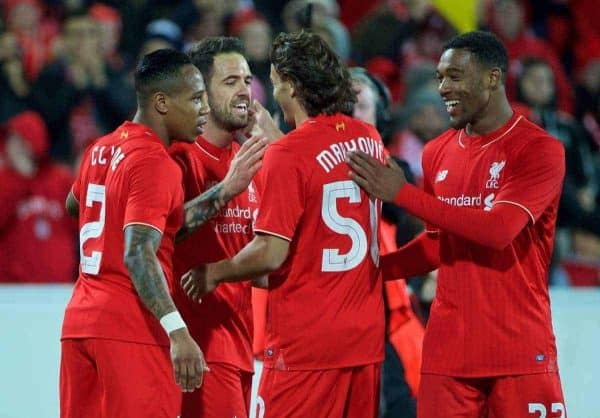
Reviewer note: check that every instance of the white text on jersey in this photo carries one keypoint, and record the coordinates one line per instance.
(336, 154)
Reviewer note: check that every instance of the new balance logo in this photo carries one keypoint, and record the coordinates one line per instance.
(495, 170)
(441, 176)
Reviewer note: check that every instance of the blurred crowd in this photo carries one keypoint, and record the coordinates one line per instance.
(66, 79)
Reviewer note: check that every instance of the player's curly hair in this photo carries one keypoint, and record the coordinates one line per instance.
(322, 82)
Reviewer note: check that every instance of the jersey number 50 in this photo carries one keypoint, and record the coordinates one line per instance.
(332, 259)
(91, 264)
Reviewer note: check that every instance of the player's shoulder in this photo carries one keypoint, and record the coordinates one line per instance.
(529, 136)
(440, 141)
(181, 148)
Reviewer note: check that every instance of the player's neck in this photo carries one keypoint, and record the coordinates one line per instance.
(497, 114)
(217, 136)
(159, 129)
(300, 116)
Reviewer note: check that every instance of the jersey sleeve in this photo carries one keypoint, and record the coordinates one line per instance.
(536, 178)
(192, 170)
(282, 193)
(154, 187)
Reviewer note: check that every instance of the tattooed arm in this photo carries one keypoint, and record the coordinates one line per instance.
(141, 244)
(243, 167)
(201, 208)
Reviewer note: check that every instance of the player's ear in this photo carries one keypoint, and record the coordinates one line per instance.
(292, 89)
(495, 78)
(160, 102)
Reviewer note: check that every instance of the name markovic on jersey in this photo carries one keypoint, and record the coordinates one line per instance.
(335, 154)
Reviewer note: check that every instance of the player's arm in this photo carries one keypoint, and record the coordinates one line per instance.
(264, 254)
(243, 168)
(141, 245)
(417, 257)
(72, 205)
(495, 229)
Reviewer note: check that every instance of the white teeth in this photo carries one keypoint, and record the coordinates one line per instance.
(451, 102)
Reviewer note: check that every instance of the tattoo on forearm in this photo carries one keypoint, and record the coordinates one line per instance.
(200, 209)
(141, 243)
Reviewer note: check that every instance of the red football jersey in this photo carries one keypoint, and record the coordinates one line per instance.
(125, 178)
(222, 323)
(491, 313)
(325, 306)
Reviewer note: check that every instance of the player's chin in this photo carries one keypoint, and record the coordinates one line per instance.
(457, 123)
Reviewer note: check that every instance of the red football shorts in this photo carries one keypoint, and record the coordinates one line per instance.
(523, 396)
(225, 393)
(351, 392)
(107, 378)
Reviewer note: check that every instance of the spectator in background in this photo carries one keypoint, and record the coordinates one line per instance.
(14, 84)
(579, 212)
(421, 118)
(255, 33)
(162, 33)
(110, 25)
(79, 95)
(34, 34)
(35, 230)
(536, 89)
(508, 21)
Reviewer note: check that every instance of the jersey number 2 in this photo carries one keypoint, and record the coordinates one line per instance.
(332, 259)
(90, 264)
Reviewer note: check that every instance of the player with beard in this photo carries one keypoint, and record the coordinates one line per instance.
(316, 237)
(222, 324)
(491, 189)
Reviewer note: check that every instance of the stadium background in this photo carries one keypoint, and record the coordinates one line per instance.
(65, 78)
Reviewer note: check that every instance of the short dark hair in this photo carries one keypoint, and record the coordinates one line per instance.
(319, 77)
(203, 53)
(485, 47)
(159, 71)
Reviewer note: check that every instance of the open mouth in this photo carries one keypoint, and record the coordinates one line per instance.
(241, 109)
(451, 106)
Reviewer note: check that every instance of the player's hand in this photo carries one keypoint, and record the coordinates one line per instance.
(380, 181)
(244, 166)
(196, 283)
(188, 361)
(261, 123)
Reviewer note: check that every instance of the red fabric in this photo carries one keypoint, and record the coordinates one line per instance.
(225, 392)
(32, 129)
(259, 317)
(142, 186)
(494, 229)
(405, 332)
(36, 230)
(510, 396)
(419, 256)
(346, 392)
(325, 307)
(106, 378)
(587, 42)
(489, 299)
(222, 323)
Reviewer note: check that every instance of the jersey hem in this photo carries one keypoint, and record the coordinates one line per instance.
(97, 337)
(142, 223)
(264, 231)
(271, 365)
